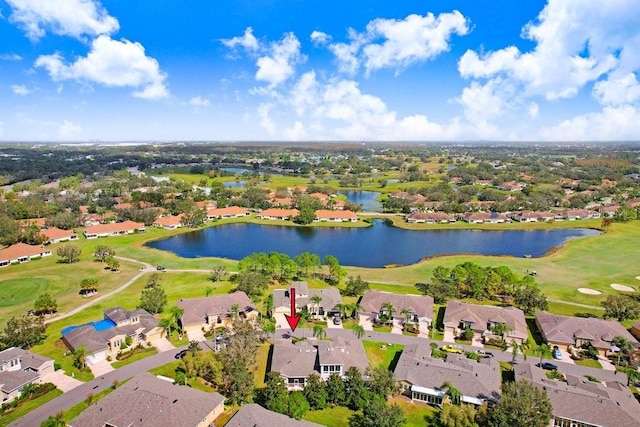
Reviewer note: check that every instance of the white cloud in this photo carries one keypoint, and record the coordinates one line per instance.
(319, 38)
(482, 102)
(20, 90)
(247, 41)
(277, 65)
(10, 57)
(612, 123)
(614, 91)
(295, 133)
(399, 43)
(112, 63)
(68, 129)
(533, 110)
(200, 102)
(576, 42)
(265, 118)
(74, 18)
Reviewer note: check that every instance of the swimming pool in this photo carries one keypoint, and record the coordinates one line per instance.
(100, 325)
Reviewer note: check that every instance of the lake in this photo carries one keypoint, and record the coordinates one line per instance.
(366, 198)
(375, 246)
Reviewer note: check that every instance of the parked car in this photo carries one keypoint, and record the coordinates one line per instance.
(484, 353)
(556, 353)
(337, 320)
(160, 268)
(181, 354)
(548, 366)
(450, 348)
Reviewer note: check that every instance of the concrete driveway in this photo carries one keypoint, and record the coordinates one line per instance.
(61, 380)
(331, 325)
(476, 341)
(396, 326)
(365, 322)
(281, 321)
(448, 336)
(196, 335)
(163, 344)
(100, 368)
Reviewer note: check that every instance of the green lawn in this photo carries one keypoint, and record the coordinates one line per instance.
(591, 363)
(29, 406)
(330, 417)
(381, 354)
(417, 414)
(262, 358)
(138, 356)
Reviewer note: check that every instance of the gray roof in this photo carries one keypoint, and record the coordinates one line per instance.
(149, 401)
(603, 404)
(30, 363)
(93, 340)
(12, 380)
(330, 297)
(480, 379)
(305, 357)
(119, 314)
(27, 359)
(197, 309)
(481, 315)
(254, 415)
(565, 329)
(421, 305)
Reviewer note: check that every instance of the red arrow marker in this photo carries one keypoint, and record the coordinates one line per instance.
(294, 318)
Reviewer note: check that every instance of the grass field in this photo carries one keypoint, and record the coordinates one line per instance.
(330, 417)
(417, 414)
(29, 406)
(380, 354)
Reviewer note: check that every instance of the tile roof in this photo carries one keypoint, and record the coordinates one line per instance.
(329, 214)
(421, 305)
(254, 415)
(603, 404)
(482, 315)
(330, 297)
(281, 213)
(54, 233)
(166, 221)
(197, 309)
(114, 227)
(565, 329)
(149, 401)
(231, 210)
(20, 250)
(479, 379)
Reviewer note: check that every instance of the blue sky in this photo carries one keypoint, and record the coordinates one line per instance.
(463, 70)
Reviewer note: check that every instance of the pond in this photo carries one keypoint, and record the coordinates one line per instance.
(375, 246)
(366, 198)
(234, 184)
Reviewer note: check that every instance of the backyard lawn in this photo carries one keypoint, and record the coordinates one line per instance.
(382, 354)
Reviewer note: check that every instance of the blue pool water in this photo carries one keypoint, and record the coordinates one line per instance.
(100, 325)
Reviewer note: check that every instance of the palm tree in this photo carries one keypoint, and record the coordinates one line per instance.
(235, 309)
(342, 308)
(543, 350)
(358, 331)
(166, 325)
(269, 305)
(517, 348)
(633, 375)
(319, 332)
(389, 309)
(455, 396)
(80, 357)
(176, 318)
(315, 300)
(355, 309)
(624, 346)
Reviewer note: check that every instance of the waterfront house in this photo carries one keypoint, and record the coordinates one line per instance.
(170, 222)
(227, 213)
(278, 214)
(430, 218)
(336, 216)
(114, 229)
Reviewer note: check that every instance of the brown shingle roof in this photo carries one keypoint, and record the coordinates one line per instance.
(254, 415)
(481, 315)
(421, 305)
(149, 401)
(197, 309)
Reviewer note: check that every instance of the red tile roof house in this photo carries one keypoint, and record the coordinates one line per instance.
(230, 212)
(420, 308)
(278, 214)
(511, 186)
(21, 252)
(420, 377)
(117, 324)
(19, 368)
(532, 216)
(215, 311)
(609, 211)
(484, 218)
(170, 222)
(114, 229)
(430, 218)
(582, 403)
(146, 400)
(57, 235)
(482, 319)
(573, 214)
(567, 331)
(323, 215)
(295, 362)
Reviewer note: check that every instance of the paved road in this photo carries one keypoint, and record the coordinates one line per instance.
(78, 394)
(146, 268)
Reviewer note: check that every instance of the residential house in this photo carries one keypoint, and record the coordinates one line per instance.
(278, 214)
(21, 252)
(254, 415)
(19, 368)
(106, 337)
(511, 186)
(215, 311)
(421, 377)
(635, 330)
(146, 400)
(329, 299)
(633, 203)
(226, 213)
(582, 403)
(419, 308)
(484, 218)
(281, 202)
(567, 331)
(486, 321)
(533, 216)
(296, 361)
(609, 211)
(170, 222)
(336, 216)
(114, 229)
(430, 217)
(574, 214)
(57, 235)
(90, 220)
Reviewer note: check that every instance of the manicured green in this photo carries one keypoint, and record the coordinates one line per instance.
(381, 354)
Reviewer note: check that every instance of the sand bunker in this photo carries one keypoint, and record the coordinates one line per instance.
(589, 291)
(638, 277)
(623, 288)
